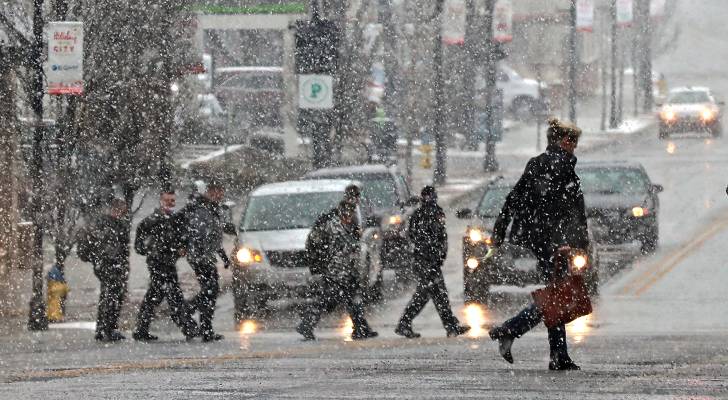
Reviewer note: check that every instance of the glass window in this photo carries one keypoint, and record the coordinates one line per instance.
(689, 97)
(612, 180)
(492, 201)
(287, 211)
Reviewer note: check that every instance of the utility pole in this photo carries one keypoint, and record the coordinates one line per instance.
(440, 172)
(37, 319)
(490, 163)
(645, 37)
(613, 115)
(573, 61)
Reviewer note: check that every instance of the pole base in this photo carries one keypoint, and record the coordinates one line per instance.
(37, 318)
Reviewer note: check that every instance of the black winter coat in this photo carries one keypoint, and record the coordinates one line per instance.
(205, 222)
(105, 243)
(160, 237)
(546, 206)
(428, 234)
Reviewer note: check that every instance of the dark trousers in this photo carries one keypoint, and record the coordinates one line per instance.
(204, 302)
(430, 285)
(113, 280)
(164, 283)
(531, 316)
(335, 293)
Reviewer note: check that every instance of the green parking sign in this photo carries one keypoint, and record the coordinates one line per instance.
(315, 91)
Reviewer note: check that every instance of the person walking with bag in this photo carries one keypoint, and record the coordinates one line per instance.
(428, 234)
(546, 208)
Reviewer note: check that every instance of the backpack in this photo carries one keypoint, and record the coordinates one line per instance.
(85, 247)
(316, 254)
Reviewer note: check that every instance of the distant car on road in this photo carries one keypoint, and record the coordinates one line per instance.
(269, 255)
(387, 198)
(622, 203)
(522, 97)
(690, 109)
(513, 266)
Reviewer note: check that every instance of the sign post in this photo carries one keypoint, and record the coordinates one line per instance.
(65, 58)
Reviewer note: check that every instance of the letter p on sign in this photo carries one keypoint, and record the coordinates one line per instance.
(315, 91)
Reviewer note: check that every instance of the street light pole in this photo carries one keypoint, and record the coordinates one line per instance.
(37, 319)
(490, 164)
(440, 172)
(573, 54)
(613, 114)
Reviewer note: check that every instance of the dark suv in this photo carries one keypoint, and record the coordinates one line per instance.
(386, 199)
(514, 267)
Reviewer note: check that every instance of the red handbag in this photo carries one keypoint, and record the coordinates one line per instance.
(564, 299)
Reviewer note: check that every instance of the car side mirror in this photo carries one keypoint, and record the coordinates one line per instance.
(721, 103)
(413, 201)
(657, 188)
(659, 104)
(464, 213)
(373, 221)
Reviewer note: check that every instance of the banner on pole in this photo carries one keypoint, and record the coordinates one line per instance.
(65, 58)
(453, 22)
(625, 13)
(657, 8)
(503, 21)
(585, 15)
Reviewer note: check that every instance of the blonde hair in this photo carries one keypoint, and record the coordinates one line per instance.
(560, 129)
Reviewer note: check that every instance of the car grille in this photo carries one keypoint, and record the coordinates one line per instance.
(286, 259)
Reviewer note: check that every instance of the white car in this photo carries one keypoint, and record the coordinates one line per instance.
(269, 255)
(522, 97)
(690, 109)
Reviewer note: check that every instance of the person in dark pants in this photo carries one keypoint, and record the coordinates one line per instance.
(105, 243)
(427, 233)
(206, 222)
(160, 238)
(338, 247)
(546, 208)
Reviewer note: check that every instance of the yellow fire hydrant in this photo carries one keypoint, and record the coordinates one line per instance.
(57, 294)
(426, 150)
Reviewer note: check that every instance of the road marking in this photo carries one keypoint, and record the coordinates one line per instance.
(665, 265)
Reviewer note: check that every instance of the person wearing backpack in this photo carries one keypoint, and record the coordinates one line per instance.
(105, 244)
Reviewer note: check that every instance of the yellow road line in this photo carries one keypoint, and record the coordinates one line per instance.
(662, 267)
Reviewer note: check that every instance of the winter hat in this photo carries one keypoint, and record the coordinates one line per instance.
(428, 193)
(560, 129)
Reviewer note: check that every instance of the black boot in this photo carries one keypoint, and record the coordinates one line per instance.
(407, 332)
(306, 332)
(457, 330)
(143, 337)
(505, 342)
(212, 337)
(563, 364)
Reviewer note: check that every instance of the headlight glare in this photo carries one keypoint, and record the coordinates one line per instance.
(248, 256)
(395, 220)
(707, 114)
(579, 262)
(639, 212)
(475, 235)
(472, 263)
(668, 115)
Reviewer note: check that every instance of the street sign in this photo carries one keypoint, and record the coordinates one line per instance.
(453, 22)
(657, 8)
(503, 21)
(65, 58)
(315, 91)
(585, 15)
(625, 13)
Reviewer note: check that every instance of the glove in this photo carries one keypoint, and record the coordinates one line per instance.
(225, 259)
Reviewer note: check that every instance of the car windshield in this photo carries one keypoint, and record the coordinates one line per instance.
(492, 202)
(377, 192)
(689, 97)
(612, 180)
(287, 211)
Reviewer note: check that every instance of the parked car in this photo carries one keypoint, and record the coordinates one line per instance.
(513, 266)
(255, 91)
(385, 197)
(522, 97)
(269, 262)
(690, 109)
(622, 203)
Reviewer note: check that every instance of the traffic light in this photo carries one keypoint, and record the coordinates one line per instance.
(317, 46)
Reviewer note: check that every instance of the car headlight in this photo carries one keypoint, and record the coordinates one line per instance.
(247, 256)
(707, 115)
(394, 220)
(668, 115)
(639, 212)
(477, 235)
(579, 262)
(472, 263)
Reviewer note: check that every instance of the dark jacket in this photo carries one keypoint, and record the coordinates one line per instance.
(546, 206)
(105, 243)
(332, 249)
(428, 234)
(160, 237)
(205, 222)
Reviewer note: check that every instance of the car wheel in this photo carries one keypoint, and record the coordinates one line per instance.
(475, 292)
(247, 306)
(717, 130)
(663, 133)
(523, 108)
(649, 241)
